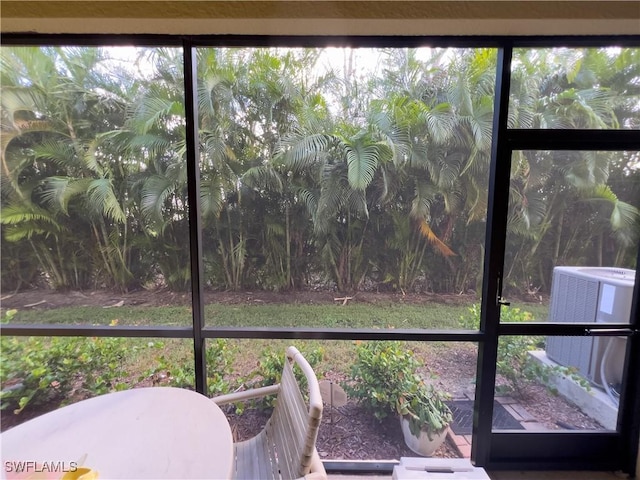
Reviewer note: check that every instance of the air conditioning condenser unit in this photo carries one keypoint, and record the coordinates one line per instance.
(584, 295)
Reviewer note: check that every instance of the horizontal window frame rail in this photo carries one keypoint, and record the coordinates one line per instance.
(281, 333)
(312, 333)
(360, 466)
(573, 139)
(91, 40)
(417, 41)
(563, 329)
(320, 41)
(541, 445)
(284, 333)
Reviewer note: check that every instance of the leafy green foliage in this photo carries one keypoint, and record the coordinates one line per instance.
(219, 359)
(378, 374)
(220, 355)
(385, 379)
(515, 363)
(269, 370)
(36, 371)
(305, 175)
(426, 409)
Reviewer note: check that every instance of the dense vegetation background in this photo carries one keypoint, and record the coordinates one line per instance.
(349, 168)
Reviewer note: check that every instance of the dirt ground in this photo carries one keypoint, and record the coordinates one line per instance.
(50, 299)
(346, 432)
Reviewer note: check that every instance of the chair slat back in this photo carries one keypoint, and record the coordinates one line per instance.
(293, 427)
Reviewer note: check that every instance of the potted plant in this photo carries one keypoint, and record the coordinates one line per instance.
(424, 418)
(385, 379)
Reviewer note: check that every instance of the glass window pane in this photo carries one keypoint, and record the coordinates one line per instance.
(354, 425)
(94, 185)
(340, 176)
(41, 374)
(572, 236)
(558, 383)
(591, 88)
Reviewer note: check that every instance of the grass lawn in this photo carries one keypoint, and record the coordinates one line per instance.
(393, 315)
(162, 359)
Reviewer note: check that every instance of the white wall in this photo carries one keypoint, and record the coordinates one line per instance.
(324, 17)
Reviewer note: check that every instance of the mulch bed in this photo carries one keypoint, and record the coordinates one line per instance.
(346, 433)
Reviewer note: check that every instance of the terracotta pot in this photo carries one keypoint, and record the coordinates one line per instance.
(422, 444)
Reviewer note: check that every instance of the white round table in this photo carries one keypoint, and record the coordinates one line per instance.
(141, 433)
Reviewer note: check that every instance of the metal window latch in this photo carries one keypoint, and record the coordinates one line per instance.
(610, 332)
(502, 301)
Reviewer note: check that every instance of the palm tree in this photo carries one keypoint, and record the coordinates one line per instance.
(441, 176)
(260, 226)
(153, 141)
(59, 177)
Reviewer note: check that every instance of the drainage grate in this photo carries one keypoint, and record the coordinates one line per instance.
(463, 417)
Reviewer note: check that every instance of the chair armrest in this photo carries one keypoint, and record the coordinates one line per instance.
(246, 395)
(317, 471)
(315, 398)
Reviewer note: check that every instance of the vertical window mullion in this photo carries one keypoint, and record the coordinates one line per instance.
(195, 230)
(629, 419)
(498, 200)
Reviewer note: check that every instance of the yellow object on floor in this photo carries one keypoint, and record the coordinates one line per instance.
(81, 473)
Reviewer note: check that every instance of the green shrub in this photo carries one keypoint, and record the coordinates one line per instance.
(181, 372)
(385, 380)
(220, 357)
(269, 371)
(38, 370)
(379, 376)
(515, 364)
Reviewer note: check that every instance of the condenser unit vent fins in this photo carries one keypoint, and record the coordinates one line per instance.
(574, 299)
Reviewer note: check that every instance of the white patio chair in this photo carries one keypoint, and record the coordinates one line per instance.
(285, 448)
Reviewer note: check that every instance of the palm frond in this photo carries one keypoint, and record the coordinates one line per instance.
(150, 112)
(154, 193)
(585, 169)
(362, 161)
(155, 145)
(447, 172)
(333, 196)
(18, 99)
(424, 196)
(57, 192)
(624, 216)
(356, 202)
(14, 214)
(60, 152)
(309, 198)
(263, 177)
(481, 122)
(438, 244)
(301, 151)
(441, 122)
(26, 220)
(102, 198)
(526, 209)
(211, 196)
(624, 219)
